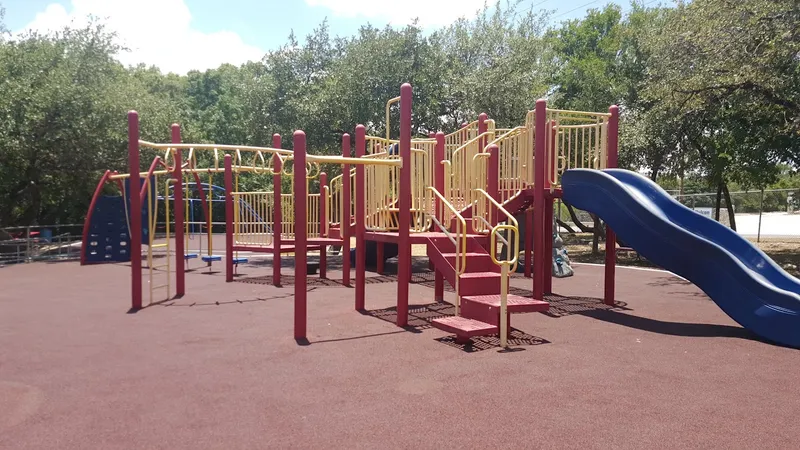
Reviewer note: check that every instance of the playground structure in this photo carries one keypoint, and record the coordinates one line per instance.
(457, 194)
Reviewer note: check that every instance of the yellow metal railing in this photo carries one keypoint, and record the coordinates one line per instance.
(575, 140)
(336, 199)
(515, 162)
(464, 176)
(446, 217)
(287, 216)
(380, 194)
(253, 218)
(577, 147)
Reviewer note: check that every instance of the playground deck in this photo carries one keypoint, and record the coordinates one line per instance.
(665, 368)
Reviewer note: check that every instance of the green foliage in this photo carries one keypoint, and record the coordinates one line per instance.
(708, 92)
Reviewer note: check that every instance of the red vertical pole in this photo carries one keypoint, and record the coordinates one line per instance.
(611, 237)
(438, 183)
(552, 153)
(323, 221)
(177, 195)
(404, 201)
(277, 213)
(482, 128)
(300, 236)
(493, 181)
(540, 166)
(344, 227)
(548, 246)
(228, 218)
(361, 229)
(135, 210)
(379, 258)
(529, 242)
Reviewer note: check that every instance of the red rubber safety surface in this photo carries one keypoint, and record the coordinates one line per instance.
(664, 369)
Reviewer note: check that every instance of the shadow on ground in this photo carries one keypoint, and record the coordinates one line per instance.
(420, 317)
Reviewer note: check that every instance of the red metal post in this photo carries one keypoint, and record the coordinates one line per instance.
(300, 236)
(277, 214)
(540, 166)
(323, 221)
(228, 218)
(493, 181)
(548, 246)
(344, 226)
(482, 128)
(361, 242)
(404, 204)
(611, 237)
(379, 258)
(552, 155)
(177, 173)
(438, 183)
(135, 204)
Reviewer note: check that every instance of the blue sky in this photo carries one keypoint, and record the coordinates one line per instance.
(206, 33)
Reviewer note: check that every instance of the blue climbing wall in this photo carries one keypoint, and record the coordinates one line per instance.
(108, 229)
(108, 232)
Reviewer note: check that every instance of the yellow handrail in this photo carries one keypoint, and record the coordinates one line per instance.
(482, 224)
(459, 239)
(505, 270)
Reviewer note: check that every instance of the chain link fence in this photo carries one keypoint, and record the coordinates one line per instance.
(772, 214)
(40, 243)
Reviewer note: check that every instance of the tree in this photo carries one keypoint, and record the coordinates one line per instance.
(727, 72)
(64, 103)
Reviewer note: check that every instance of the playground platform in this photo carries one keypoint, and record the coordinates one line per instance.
(663, 368)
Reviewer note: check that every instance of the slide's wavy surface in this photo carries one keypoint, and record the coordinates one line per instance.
(740, 278)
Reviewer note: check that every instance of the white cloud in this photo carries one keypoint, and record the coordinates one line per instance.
(431, 13)
(157, 32)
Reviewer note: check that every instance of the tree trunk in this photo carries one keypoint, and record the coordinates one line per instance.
(729, 205)
(596, 237)
(577, 222)
(719, 201)
(565, 226)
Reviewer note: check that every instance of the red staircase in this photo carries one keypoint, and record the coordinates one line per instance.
(479, 288)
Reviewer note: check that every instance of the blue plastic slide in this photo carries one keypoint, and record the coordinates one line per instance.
(740, 278)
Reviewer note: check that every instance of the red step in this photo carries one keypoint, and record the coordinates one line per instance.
(479, 283)
(514, 303)
(486, 308)
(464, 328)
(476, 262)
